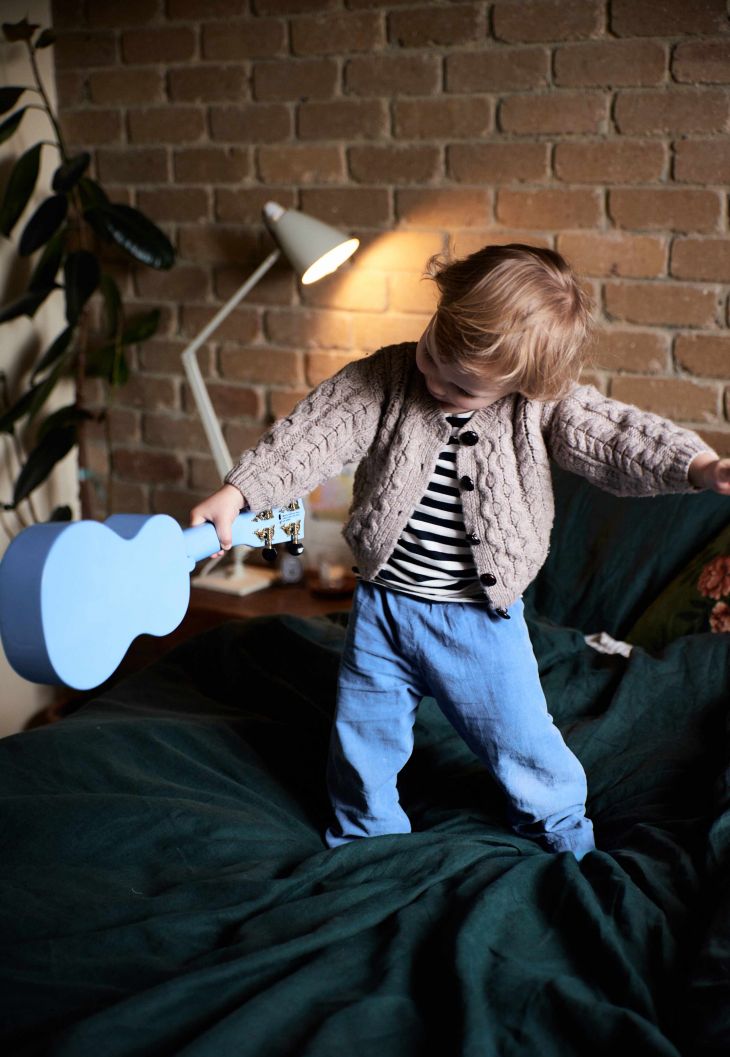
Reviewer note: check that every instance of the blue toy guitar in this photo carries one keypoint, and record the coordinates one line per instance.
(73, 595)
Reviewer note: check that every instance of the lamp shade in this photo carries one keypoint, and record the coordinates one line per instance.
(314, 249)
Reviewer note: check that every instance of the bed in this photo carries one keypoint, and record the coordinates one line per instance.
(166, 889)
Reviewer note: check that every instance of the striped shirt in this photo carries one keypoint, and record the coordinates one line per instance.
(432, 558)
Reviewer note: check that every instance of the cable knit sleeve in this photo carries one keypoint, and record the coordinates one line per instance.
(619, 447)
(334, 425)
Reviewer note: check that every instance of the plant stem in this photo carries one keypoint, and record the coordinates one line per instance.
(46, 100)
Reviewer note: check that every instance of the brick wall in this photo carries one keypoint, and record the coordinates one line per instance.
(598, 127)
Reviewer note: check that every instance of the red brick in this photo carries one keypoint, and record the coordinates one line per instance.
(143, 465)
(184, 282)
(283, 401)
(337, 33)
(296, 79)
(611, 63)
(67, 14)
(423, 27)
(392, 74)
(132, 166)
(604, 254)
(301, 164)
(668, 18)
(707, 259)
(166, 124)
(548, 208)
(702, 62)
(676, 304)
(244, 205)
(408, 293)
(631, 350)
(470, 239)
(702, 161)
(398, 250)
(241, 436)
(307, 329)
(232, 401)
(151, 45)
(291, 7)
(703, 354)
(114, 87)
(277, 287)
(184, 204)
(189, 10)
(457, 117)
(124, 496)
(348, 119)
(497, 69)
(322, 365)
(230, 41)
(71, 88)
(674, 398)
(148, 393)
(389, 328)
(533, 20)
(89, 127)
(207, 84)
(675, 110)
(242, 325)
(350, 290)
(159, 356)
(395, 165)
(611, 160)
(258, 123)
(83, 49)
(667, 208)
(447, 208)
(497, 162)
(183, 433)
(203, 475)
(132, 13)
(557, 112)
(265, 366)
(206, 165)
(349, 207)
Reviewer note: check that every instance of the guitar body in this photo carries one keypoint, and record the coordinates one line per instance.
(74, 595)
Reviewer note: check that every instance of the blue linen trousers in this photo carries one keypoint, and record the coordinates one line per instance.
(482, 671)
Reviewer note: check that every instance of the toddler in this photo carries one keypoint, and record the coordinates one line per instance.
(450, 521)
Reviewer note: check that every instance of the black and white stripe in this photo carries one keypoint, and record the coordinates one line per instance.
(432, 558)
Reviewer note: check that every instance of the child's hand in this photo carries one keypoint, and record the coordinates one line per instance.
(221, 509)
(706, 471)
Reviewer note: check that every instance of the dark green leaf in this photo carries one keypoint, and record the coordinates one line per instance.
(10, 124)
(131, 230)
(82, 273)
(46, 270)
(44, 223)
(70, 415)
(68, 175)
(55, 445)
(142, 328)
(108, 362)
(19, 188)
(112, 304)
(9, 96)
(17, 411)
(22, 30)
(46, 38)
(54, 352)
(43, 390)
(62, 513)
(27, 305)
(92, 193)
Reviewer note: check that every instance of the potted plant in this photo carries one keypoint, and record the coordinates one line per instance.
(65, 235)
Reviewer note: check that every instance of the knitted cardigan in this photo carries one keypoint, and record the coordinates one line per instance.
(378, 413)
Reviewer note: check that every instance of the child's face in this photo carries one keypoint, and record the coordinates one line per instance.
(453, 388)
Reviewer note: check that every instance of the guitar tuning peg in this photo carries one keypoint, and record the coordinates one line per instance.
(295, 548)
(269, 554)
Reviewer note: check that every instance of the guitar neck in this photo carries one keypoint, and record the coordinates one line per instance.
(251, 529)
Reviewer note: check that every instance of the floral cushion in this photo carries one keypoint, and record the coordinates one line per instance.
(697, 600)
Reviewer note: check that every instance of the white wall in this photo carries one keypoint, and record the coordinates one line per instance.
(22, 340)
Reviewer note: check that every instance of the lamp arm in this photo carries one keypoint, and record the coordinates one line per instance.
(213, 431)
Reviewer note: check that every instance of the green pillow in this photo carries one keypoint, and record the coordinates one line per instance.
(697, 600)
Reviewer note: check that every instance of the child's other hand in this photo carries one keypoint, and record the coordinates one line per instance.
(706, 471)
(221, 509)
